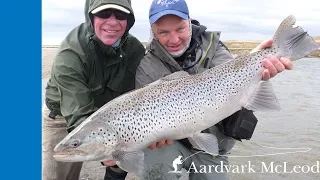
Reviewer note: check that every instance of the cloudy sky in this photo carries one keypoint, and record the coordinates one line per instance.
(237, 20)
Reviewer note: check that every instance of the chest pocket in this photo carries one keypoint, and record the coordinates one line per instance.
(110, 82)
(96, 78)
(97, 86)
(122, 79)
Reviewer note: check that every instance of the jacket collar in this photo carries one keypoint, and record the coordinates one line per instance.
(110, 55)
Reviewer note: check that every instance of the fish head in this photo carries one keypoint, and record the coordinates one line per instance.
(90, 142)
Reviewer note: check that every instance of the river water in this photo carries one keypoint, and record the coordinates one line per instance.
(296, 125)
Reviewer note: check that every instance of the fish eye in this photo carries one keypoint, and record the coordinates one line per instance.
(75, 143)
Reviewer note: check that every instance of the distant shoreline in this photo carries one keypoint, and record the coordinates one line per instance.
(230, 43)
(235, 47)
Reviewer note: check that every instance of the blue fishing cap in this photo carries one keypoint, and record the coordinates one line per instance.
(161, 8)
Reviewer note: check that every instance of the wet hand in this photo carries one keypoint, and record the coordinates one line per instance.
(272, 64)
(159, 144)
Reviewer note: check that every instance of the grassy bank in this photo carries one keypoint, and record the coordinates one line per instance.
(236, 47)
(244, 47)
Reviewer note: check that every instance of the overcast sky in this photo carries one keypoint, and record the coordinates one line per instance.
(236, 19)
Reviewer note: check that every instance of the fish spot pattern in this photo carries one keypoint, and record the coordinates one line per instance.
(172, 105)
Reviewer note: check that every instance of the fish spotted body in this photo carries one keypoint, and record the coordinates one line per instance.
(181, 106)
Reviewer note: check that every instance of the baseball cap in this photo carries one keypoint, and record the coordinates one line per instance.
(110, 6)
(160, 8)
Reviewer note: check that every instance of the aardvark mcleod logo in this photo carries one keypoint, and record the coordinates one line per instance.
(179, 161)
(166, 2)
(249, 167)
(175, 164)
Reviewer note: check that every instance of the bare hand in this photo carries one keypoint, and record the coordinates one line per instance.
(110, 163)
(272, 64)
(160, 144)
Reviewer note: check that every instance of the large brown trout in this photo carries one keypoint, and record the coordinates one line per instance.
(181, 106)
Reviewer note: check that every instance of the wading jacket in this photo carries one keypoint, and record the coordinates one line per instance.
(86, 73)
(209, 52)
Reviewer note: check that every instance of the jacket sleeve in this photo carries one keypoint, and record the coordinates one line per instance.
(221, 56)
(76, 102)
(142, 77)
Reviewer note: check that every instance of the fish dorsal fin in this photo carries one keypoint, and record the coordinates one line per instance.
(175, 75)
(172, 76)
(263, 99)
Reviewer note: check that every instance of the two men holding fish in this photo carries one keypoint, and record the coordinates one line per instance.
(178, 44)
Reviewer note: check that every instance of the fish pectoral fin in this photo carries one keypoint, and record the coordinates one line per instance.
(264, 99)
(175, 75)
(206, 142)
(130, 161)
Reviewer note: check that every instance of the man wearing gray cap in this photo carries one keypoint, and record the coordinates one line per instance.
(95, 63)
(179, 43)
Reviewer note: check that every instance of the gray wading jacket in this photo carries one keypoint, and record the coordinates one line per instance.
(158, 63)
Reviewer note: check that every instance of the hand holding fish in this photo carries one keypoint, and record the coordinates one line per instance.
(272, 64)
(159, 144)
(109, 163)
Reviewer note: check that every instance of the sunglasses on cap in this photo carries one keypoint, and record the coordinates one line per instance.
(105, 14)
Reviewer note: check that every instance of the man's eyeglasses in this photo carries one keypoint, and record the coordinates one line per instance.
(105, 14)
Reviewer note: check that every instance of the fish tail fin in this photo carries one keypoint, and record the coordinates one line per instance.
(293, 42)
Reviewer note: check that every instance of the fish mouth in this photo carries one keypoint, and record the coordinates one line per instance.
(70, 156)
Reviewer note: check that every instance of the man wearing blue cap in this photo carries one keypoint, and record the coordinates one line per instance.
(179, 43)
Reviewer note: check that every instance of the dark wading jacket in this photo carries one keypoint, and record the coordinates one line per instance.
(86, 74)
(211, 52)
